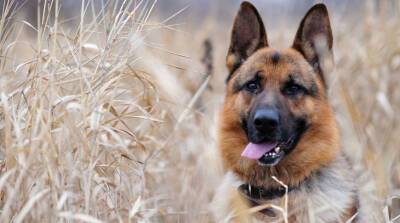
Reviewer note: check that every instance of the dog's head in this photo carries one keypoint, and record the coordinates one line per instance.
(276, 118)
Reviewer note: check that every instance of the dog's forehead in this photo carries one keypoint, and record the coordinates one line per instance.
(276, 63)
(269, 58)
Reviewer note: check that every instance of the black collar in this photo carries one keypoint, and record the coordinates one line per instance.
(258, 195)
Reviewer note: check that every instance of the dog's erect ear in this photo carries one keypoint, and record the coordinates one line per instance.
(248, 35)
(314, 39)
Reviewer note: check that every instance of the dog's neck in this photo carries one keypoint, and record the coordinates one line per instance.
(256, 196)
(327, 181)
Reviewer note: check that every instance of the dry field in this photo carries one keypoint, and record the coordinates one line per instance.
(110, 115)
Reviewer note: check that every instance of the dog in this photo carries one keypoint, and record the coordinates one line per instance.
(278, 137)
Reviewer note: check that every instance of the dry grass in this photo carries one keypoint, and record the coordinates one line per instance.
(114, 120)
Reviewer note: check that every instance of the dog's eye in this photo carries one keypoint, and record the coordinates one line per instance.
(253, 86)
(293, 89)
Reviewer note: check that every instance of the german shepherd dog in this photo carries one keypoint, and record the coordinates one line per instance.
(278, 137)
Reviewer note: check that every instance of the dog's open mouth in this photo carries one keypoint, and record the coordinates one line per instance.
(272, 157)
(268, 154)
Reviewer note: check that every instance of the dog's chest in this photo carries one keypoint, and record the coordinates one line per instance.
(325, 197)
(327, 201)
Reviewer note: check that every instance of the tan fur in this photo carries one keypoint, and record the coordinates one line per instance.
(318, 146)
(328, 197)
(316, 167)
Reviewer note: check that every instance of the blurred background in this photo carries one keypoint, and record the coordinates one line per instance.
(109, 108)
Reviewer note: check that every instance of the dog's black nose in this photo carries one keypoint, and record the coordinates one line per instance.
(266, 120)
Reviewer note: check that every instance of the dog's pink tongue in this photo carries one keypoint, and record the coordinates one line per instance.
(256, 151)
